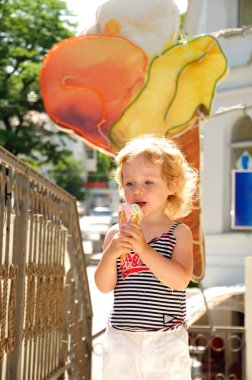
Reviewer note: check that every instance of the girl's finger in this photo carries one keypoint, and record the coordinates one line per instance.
(130, 228)
(124, 234)
(126, 247)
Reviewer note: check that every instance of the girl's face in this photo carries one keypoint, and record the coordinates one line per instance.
(143, 184)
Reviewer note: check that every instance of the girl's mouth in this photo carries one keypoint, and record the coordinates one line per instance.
(140, 204)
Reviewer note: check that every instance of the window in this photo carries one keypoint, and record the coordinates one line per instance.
(245, 12)
(241, 164)
(90, 153)
(241, 141)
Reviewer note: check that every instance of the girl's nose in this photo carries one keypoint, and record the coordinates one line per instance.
(138, 190)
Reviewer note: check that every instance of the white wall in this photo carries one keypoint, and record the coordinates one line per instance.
(207, 16)
(225, 258)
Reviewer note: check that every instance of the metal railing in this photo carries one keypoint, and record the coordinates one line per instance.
(45, 306)
(217, 353)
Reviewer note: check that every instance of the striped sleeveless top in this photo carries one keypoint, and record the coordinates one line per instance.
(141, 301)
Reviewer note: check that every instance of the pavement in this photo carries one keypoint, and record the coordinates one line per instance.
(101, 304)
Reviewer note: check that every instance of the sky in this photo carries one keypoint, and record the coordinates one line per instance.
(85, 11)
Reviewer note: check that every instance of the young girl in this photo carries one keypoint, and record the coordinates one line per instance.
(146, 336)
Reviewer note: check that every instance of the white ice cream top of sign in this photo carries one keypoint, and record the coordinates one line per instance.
(150, 24)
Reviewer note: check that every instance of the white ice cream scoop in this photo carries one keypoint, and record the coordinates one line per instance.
(151, 24)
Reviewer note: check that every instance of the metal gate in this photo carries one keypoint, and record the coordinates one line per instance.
(45, 306)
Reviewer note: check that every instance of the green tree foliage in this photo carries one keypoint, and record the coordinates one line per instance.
(69, 176)
(28, 29)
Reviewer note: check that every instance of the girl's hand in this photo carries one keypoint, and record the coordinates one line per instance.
(115, 244)
(133, 233)
(119, 244)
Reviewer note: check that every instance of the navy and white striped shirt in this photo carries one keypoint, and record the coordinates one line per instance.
(141, 301)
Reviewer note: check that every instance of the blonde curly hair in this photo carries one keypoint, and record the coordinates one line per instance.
(175, 168)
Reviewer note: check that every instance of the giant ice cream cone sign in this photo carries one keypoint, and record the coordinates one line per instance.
(129, 75)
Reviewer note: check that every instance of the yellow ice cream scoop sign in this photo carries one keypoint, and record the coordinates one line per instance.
(180, 81)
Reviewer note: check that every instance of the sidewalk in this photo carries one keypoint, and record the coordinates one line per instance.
(101, 304)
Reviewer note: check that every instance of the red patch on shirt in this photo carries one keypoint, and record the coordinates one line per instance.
(131, 263)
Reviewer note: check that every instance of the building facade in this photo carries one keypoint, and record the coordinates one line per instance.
(227, 141)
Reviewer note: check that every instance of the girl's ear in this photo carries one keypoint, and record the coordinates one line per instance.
(173, 185)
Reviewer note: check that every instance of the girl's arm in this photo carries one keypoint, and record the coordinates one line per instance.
(175, 273)
(114, 245)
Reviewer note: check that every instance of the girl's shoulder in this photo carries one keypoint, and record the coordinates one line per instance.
(181, 229)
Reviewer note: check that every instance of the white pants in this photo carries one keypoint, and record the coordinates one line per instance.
(155, 355)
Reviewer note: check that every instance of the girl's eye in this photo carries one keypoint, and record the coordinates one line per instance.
(128, 184)
(148, 183)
